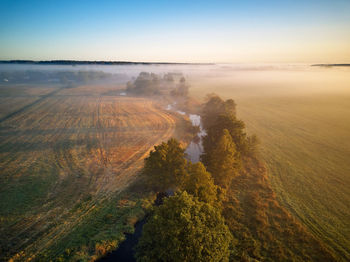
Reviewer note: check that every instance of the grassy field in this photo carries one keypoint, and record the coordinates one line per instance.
(66, 156)
(306, 145)
(305, 139)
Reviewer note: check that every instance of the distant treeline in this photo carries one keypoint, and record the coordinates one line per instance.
(60, 77)
(329, 65)
(78, 62)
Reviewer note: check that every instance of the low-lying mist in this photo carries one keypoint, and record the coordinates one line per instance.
(238, 80)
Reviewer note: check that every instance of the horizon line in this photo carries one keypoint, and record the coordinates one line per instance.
(97, 62)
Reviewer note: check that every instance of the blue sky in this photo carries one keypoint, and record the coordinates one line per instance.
(179, 31)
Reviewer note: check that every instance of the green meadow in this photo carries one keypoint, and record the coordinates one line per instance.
(305, 142)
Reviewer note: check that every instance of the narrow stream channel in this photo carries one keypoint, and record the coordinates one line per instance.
(125, 251)
(195, 148)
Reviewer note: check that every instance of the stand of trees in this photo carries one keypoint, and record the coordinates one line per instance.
(167, 170)
(222, 210)
(189, 225)
(148, 84)
(145, 84)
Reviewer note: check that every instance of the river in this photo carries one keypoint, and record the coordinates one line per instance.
(125, 251)
(195, 148)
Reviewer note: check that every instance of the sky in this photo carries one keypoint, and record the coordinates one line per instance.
(217, 31)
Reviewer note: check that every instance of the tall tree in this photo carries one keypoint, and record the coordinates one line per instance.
(215, 107)
(235, 128)
(200, 184)
(165, 168)
(184, 229)
(221, 159)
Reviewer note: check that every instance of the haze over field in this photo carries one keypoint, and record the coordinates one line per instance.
(174, 130)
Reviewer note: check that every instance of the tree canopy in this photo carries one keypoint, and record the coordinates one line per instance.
(184, 229)
(221, 160)
(218, 115)
(200, 183)
(181, 88)
(214, 107)
(165, 168)
(144, 84)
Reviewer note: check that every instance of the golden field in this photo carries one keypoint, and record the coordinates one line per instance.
(64, 154)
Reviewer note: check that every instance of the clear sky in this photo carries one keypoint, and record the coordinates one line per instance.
(176, 30)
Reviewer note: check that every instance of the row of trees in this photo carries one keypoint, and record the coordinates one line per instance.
(189, 225)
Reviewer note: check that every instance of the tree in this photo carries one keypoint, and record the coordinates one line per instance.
(144, 84)
(235, 128)
(221, 159)
(184, 229)
(214, 107)
(181, 89)
(200, 184)
(165, 168)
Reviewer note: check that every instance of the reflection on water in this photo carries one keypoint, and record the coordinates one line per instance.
(195, 148)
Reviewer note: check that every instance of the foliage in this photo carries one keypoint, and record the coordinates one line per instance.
(184, 229)
(148, 84)
(145, 84)
(181, 90)
(214, 107)
(165, 168)
(218, 115)
(265, 230)
(221, 159)
(200, 184)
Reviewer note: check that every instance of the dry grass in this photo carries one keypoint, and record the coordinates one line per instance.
(64, 155)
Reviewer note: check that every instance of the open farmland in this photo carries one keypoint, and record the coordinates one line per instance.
(302, 120)
(306, 145)
(64, 154)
